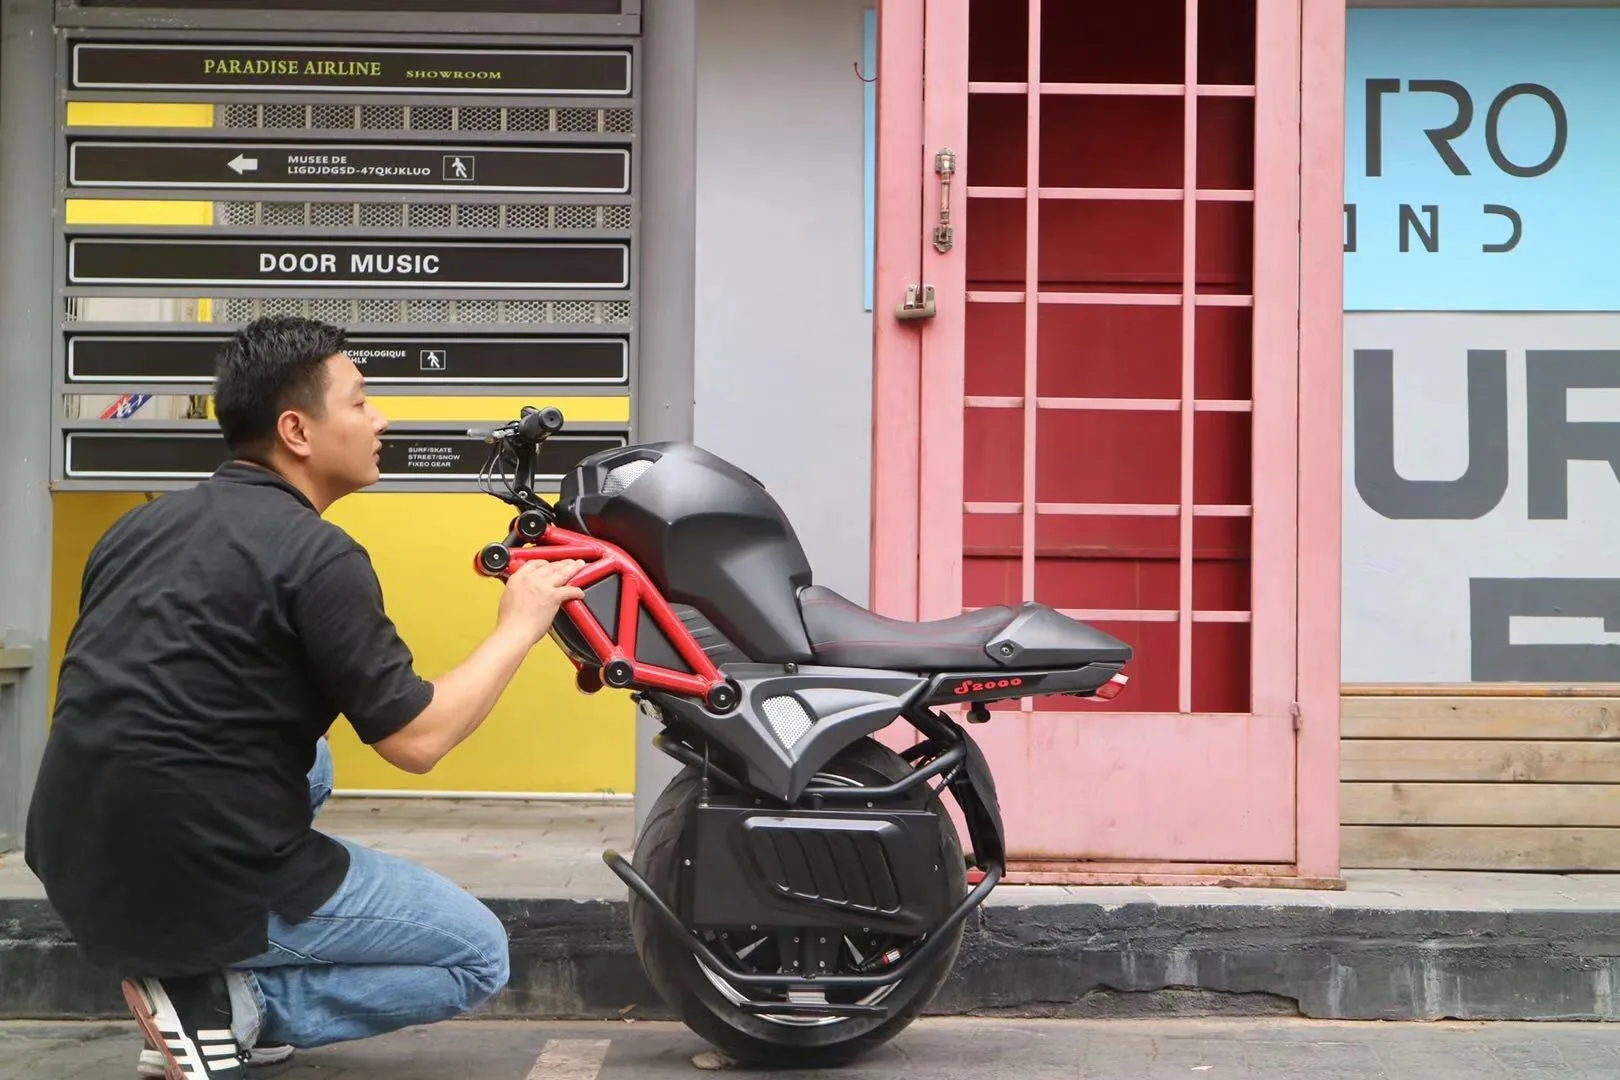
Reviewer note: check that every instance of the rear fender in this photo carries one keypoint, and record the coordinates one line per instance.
(789, 724)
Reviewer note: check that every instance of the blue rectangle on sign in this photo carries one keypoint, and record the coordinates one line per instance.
(1482, 154)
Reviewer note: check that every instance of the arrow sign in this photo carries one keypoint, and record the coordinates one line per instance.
(371, 167)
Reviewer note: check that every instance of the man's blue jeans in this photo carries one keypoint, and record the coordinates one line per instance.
(396, 945)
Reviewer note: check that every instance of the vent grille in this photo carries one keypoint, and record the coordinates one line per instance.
(788, 719)
(344, 311)
(421, 215)
(623, 477)
(528, 119)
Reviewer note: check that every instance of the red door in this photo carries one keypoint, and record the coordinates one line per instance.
(1106, 402)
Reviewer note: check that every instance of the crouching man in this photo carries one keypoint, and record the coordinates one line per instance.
(222, 631)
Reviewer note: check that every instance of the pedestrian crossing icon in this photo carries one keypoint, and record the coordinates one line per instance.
(459, 167)
(435, 360)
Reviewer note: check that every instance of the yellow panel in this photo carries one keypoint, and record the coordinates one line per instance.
(544, 735)
(493, 409)
(138, 114)
(139, 212)
(79, 520)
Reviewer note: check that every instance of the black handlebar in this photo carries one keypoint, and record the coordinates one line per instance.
(515, 445)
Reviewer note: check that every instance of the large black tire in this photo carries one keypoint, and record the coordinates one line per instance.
(755, 1040)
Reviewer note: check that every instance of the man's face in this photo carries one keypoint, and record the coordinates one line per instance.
(345, 441)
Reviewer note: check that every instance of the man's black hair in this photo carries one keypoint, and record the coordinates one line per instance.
(271, 365)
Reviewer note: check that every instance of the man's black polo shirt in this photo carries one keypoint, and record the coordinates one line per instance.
(223, 628)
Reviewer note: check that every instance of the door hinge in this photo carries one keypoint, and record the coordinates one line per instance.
(919, 303)
(1298, 717)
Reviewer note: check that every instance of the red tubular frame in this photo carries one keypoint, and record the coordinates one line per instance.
(635, 591)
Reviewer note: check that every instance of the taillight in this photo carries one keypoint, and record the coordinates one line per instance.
(1109, 690)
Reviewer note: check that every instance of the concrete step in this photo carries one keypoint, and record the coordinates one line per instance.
(1394, 945)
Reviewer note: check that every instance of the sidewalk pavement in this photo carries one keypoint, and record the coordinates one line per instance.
(1393, 945)
(930, 1050)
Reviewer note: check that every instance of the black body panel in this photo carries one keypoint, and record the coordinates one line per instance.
(706, 533)
(1042, 638)
(982, 685)
(872, 869)
(975, 791)
(840, 705)
(844, 634)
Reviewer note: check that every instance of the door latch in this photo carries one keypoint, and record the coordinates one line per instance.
(944, 233)
(919, 304)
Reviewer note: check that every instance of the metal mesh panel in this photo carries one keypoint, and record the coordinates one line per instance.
(236, 213)
(528, 217)
(577, 217)
(479, 118)
(431, 118)
(332, 311)
(286, 116)
(382, 117)
(479, 216)
(331, 214)
(237, 116)
(528, 311)
(575, 311)
(788, 719)
(282, 305)
(334, 117)
(520, 118)
(479, 311)
(236, 309)
(615, 311)
(279, 213)
(428, 311)
(382, 215)
(579, 120)
(378, 311)
(526, 118)
(430, 215)
(615, 217)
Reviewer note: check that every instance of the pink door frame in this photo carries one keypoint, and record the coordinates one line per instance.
(917, 542)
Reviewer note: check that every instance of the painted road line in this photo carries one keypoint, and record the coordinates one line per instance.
(570, 1059)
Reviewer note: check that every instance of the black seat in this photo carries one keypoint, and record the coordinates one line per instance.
(844, 634)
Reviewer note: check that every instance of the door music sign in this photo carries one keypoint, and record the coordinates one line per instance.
(560, 170)
(168, 261)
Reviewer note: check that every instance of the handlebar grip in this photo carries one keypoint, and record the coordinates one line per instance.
(536, 422)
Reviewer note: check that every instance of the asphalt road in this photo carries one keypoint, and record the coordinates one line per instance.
(931, 1050)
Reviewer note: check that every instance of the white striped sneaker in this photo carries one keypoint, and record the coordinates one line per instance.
(187, 1023)
(152, 1062)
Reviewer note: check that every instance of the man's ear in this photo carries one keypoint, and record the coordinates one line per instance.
(293, 431)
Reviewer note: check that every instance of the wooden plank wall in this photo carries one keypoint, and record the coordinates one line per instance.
(1481, 777)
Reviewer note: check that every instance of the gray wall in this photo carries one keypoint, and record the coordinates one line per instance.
(783, 362)
(1481, 498)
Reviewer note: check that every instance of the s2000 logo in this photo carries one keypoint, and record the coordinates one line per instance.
(970, 686)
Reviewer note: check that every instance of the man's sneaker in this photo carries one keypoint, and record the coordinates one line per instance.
(188, 1022)
(153, 1062)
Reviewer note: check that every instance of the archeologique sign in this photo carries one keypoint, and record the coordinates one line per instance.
(168, 261)
(140, 164)
(165, 66)
(1481, 498)
(1481, 150)
(132, 453)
